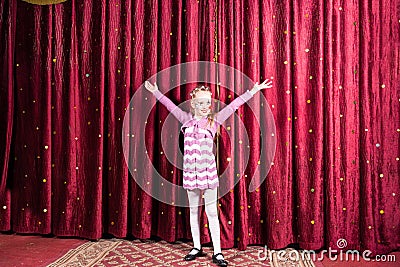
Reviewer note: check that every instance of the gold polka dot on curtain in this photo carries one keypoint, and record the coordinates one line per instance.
(44, 2)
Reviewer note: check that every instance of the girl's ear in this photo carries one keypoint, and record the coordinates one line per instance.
(192, 104)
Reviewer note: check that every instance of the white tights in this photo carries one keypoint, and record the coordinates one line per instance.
(210, 197)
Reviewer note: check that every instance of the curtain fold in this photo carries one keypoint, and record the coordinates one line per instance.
(7, 96)
(69, 72)
(307, 71)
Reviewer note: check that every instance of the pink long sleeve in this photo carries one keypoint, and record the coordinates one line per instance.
(181, 115)
(233, 106)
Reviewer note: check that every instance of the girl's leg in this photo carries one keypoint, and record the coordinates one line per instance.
(210, 197)
(194, 197)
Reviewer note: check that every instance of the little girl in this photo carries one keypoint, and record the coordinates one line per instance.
(199, 167)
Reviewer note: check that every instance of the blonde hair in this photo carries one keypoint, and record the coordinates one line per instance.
(198, 89)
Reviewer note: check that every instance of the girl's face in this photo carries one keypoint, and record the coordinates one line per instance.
(201, 104)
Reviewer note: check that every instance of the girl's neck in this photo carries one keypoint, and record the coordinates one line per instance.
(199, 117)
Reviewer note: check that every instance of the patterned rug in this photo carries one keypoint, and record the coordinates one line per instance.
(119, 252)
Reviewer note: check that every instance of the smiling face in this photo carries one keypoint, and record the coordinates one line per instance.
(201, 103)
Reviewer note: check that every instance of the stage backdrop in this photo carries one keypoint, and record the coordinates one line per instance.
(69, 70)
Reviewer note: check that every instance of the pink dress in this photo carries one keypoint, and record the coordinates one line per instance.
(199, 166)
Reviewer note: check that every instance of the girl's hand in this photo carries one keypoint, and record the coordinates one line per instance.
(265, 85)
(150, 87)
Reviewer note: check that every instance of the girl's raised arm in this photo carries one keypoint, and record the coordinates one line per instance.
(227, 111)
(235, 104)
(181, 115)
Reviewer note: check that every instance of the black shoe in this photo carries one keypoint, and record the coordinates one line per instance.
(190, 257)
(219, 262)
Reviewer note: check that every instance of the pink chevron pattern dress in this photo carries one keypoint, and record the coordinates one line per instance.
(199, 165)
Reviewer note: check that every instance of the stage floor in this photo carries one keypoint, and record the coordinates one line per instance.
(36, 250)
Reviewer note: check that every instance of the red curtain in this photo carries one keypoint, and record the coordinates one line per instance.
(69, 71)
